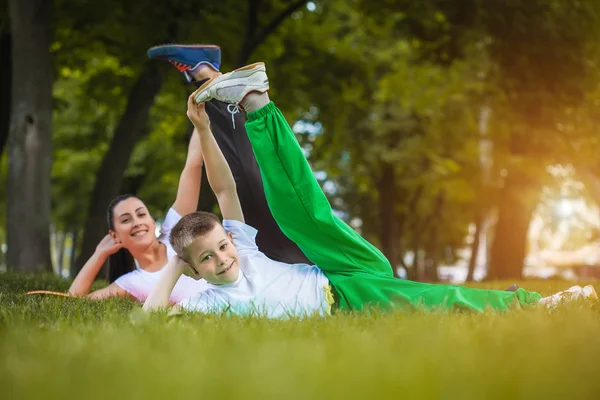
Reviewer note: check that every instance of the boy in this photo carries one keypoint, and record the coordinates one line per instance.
(350, 273)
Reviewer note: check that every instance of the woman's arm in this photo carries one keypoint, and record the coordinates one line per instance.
(112, 290)
(85, 278)
(188, 190)
(218, 172)
(161, 292)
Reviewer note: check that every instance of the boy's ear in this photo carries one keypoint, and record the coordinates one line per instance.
(182, 258)
(230, 236)
(190, 270)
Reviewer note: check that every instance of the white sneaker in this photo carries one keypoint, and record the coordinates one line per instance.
(233, 86)
(573, 293)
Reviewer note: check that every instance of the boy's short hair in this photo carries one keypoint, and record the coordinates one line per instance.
(190, 227)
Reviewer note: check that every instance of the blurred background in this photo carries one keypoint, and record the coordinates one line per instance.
(460, 137)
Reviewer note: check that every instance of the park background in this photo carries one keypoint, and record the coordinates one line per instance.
(447, 132)
(460, 137)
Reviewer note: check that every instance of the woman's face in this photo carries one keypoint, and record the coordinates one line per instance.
(133, 225)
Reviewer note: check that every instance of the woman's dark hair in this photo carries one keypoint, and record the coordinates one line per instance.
(122, 261)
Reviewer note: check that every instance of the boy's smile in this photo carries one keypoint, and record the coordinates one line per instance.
(226, 270)
(214, 257)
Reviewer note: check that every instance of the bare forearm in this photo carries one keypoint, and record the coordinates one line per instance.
(188, 191)
(85, 278)
(112, 290)
(217, 170)
(161, 293)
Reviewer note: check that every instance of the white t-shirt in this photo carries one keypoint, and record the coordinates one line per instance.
(139, 283)
(265, 287)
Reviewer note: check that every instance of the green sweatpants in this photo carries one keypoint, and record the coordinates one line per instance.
(359, 273)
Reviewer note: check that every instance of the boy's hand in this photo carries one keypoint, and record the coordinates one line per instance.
(177, 265)
(197, 114)
(159, 295)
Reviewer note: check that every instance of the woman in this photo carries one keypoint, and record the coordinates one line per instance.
(131, 240)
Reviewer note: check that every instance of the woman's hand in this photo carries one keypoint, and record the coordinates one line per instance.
(108, 246)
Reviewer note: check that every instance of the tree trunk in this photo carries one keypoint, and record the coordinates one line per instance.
(60, 248)
(72, 270)
(417, 266)
(475, 246)
(30, 138)
(387, 201)
(432, 258)
(412, 271)
(516, 204)
(130, 129)
(433, 223)
(5, 87)
(485, 181)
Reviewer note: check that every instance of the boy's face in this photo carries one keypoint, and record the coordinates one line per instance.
(214, 257)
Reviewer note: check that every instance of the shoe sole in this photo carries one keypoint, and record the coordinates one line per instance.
(238, 73)
(170, 49)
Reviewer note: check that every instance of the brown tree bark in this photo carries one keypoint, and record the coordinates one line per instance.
(516, 204)
(109, 179)
(30, 137)
(5, 86)
(60, 248)
(74, 244)
(475, 245)
(387, 201)
(432, 258)
(432, 254)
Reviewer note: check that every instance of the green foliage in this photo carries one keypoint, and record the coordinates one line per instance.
(86, 113)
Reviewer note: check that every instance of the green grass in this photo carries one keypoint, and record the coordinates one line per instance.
(67, 348)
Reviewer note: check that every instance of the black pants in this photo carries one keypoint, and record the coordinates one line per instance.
(236, 148)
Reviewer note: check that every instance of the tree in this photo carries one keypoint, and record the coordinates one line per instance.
(543, 56)
(544, 67)
(30, 137)
(5, 85)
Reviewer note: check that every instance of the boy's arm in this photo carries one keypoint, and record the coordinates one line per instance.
(217, 170)
(188, 191)
(161, 293)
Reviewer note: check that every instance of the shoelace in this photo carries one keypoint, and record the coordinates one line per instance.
(233, 109)
(180, 66)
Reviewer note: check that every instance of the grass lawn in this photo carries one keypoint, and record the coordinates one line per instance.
(79, 349)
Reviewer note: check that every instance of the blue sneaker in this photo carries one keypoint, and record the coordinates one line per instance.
(187, 57)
